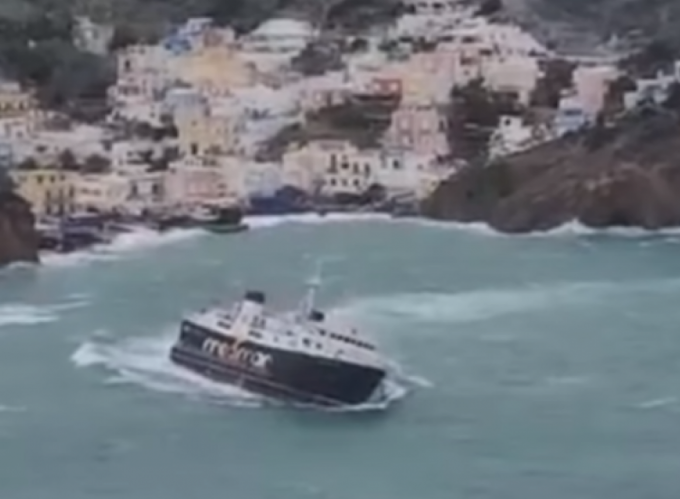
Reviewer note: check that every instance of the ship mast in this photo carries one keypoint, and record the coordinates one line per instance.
(307, 304)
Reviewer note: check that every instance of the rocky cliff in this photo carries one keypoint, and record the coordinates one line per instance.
(622, 175)
(18, 237)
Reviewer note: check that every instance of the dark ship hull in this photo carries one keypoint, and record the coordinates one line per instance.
(286, 375)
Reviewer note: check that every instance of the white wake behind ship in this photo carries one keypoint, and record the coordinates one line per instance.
(299, 358)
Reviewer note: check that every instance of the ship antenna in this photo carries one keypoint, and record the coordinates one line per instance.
(313, 284)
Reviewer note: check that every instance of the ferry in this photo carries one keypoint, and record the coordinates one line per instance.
(298, 358)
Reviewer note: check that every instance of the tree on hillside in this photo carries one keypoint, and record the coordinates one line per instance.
(656, 56)
(28, 164)
(96, 163)
(557, 77)
(316, 59)
(39, 53)
(614, 97)
(490, 7)
(67, 160)
(473, 114)
(6, 183)
(672, 101)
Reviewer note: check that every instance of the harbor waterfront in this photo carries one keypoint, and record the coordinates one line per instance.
(539, 366)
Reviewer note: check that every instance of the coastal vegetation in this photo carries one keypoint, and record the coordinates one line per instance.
(472, 115)
(361, 121)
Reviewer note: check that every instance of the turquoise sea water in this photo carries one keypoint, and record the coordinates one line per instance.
(536, 368)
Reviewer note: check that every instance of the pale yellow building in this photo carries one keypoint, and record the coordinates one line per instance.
(216, 70)
(49, 191)
(102, 192)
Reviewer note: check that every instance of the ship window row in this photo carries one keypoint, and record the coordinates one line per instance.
(352, 341)
(258, 322)
(255, 334)
(306, 342)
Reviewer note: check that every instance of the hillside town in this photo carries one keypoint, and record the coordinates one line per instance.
(209, 118)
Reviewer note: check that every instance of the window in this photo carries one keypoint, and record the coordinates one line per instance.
(306, 342)
(396, 165)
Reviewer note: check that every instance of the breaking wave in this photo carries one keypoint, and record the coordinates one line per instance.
(143, 239)
(266, 221)
(569, 229)
(144, 361)
(22, 314)
(137, 240)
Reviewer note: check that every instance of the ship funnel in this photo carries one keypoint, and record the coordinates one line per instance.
(254, 297)
(316, 316)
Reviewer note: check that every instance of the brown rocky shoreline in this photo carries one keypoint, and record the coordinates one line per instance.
(623, 175)
(18, 236)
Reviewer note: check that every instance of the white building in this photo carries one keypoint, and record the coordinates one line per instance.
(82, 141)
(338, 167)
(511, 136)
(515, 75)
(92, 37)
(284, 36)
(144, 111)
(144, 72)
(130, 155)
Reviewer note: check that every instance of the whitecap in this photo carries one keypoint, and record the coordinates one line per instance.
(23, 314)
(146, 238)
(658, 402)
(145, 362)
(20, 314)
(572, 229)
(136, 240)
(267, 221)
(471, 306)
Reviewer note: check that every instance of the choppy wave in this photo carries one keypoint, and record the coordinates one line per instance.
(266, 221)
(143, 239)
(22, 314)
(144, 361)
(569, 229)
(485, 304)
(137, 240)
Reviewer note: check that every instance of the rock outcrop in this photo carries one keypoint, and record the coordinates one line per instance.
(18, 236)
(623, 175)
